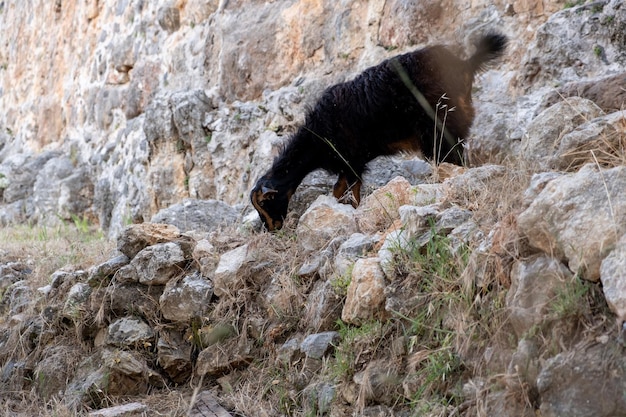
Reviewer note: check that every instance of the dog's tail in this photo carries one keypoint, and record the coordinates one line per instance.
(488, 48)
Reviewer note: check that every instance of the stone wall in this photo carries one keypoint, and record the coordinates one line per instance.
(153, 102)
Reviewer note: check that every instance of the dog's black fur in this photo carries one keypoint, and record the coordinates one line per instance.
(381, 112)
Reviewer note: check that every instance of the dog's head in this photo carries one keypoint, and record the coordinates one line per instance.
(271, 201)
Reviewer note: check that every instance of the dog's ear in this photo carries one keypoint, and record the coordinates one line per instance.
(268, 193)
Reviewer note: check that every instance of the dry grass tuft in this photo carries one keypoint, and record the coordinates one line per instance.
(607, 150)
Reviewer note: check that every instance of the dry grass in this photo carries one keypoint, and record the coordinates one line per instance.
(46, 249)
(607, 150)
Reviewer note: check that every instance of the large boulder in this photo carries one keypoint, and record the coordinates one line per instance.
(578, 218)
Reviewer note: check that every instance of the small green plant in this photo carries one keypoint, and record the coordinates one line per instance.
(597, 8)
(570, 4)
(208, 137)
(81, 223)
(340, 284)
(342, 365)
(569, 300)
(598, 50)
(441, 303)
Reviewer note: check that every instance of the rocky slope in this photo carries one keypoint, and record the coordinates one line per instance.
(493, 290)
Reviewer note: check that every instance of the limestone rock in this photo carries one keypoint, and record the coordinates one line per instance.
(226, 355)
(599, 140)
(174, 355)
(545, 132)
(227, 279)
(187, 298)
(613, 277)
(588, 381)
(606, 92)
(107, 269)
(589, 204)
(417, 220)
(62, 191)
(366, 293)
(157, 264)
(380, 208)
(355, 247)
(397, 240)
(322, 308)
(204, 253)
(317, 345)
(130, 299)
(55, 369)
(124, 410)
(324, 220)
(77, 297)
(595, 45)
(136, 237)
(534, 284)
(16, 298)
(462, 189)
(198, 215)
(129, 332)
(19, 172)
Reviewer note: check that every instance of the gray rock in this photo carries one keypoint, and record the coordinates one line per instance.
(169, 18)
(537, 184)
(546, 131)
(130, 332)
(322, 308)
(174, 355)
(365, 300)
(595, 45)
(451, 218)
(107, 269)
(136, 237)
(589, 204)
(288, 351)
(185, 299)
(319, 397)
(597, 141)
(76, 300)
(157, 264)
(418, 220)
(534, 284)
(606, 92)
(462, 189)
(317, 345)
(123, 410)
(62, 191)
(586, 381)
(323, 221)
(11, 272)
(16, 298)
(198, 215)
(613, 277)
(398, 240)
(226, 279)
(355, 247)
(20, 173)
(55, 369)
(131, 299)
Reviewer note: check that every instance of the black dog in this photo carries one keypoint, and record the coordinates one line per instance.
(420, 101)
